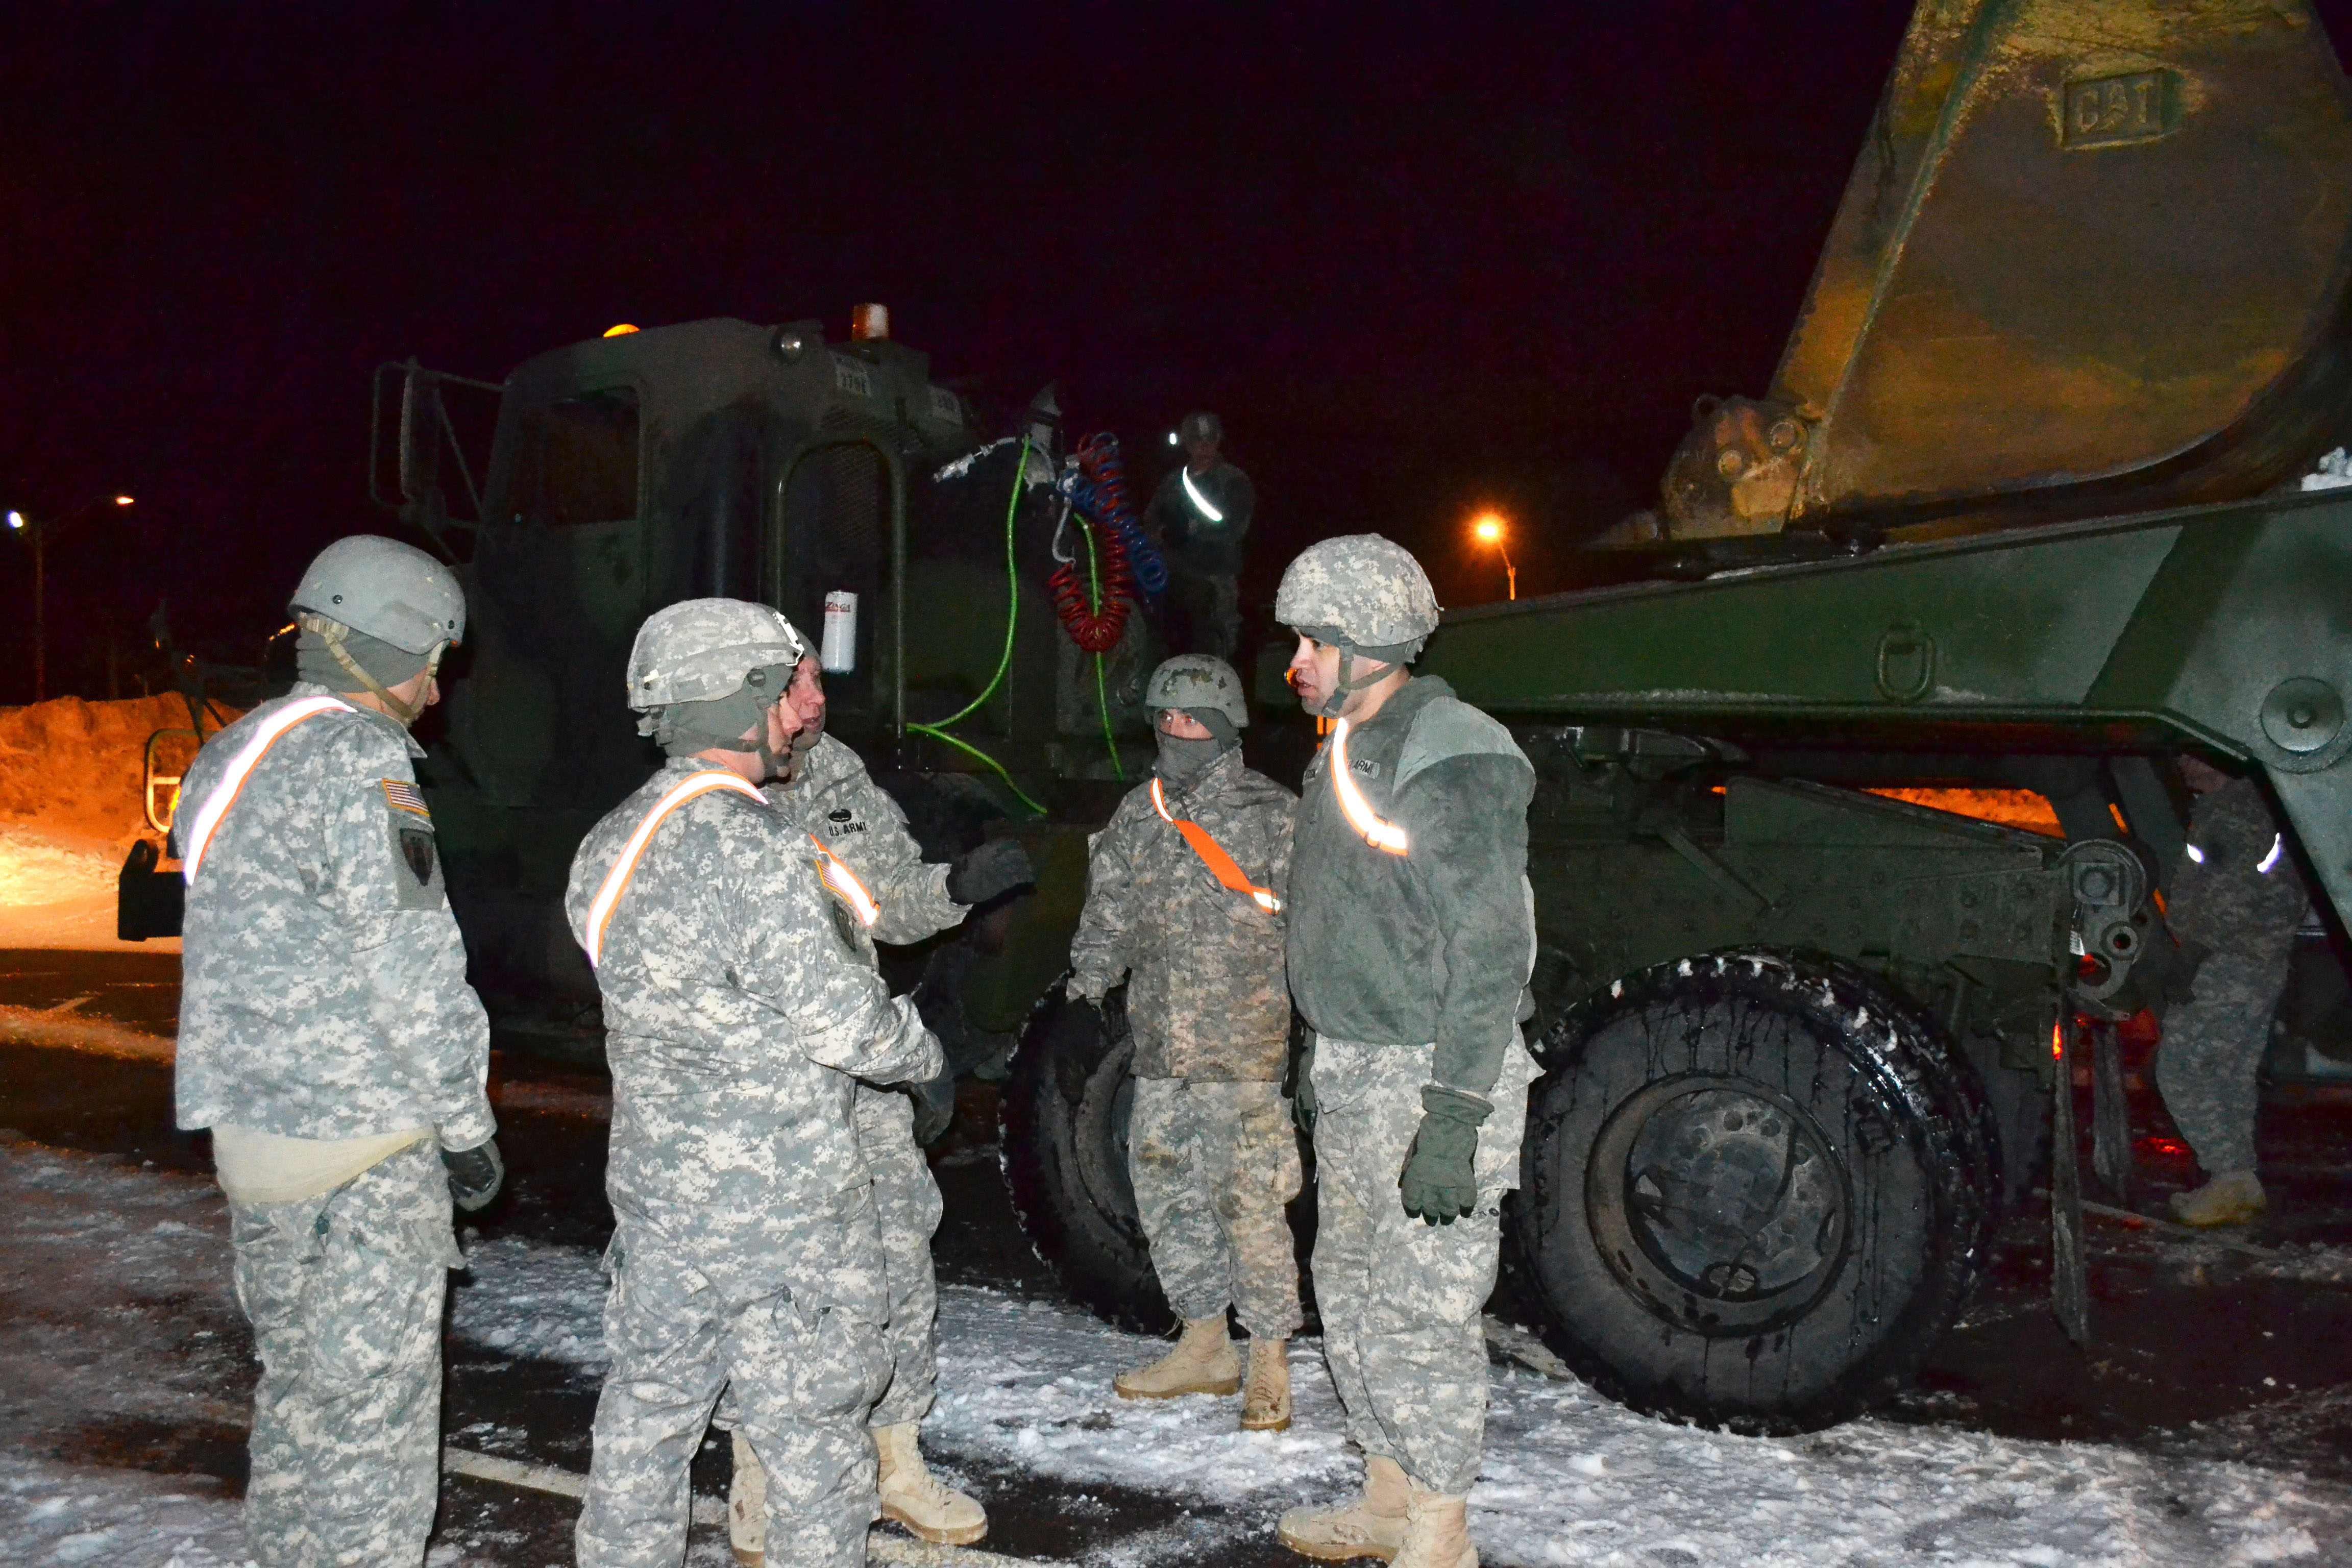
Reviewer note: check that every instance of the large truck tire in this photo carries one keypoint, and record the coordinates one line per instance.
(1064, 1117)
(1759, 1188)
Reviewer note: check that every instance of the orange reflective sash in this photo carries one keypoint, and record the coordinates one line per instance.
(616, 880)
(843, 884)
(1213, 855)
(240, 768)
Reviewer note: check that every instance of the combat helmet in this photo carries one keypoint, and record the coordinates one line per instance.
(1199, 428)
(366, 591)
(1366, 597)
(703, 671)
(1205, 687)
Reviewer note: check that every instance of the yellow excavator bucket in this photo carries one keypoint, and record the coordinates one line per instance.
(2092, 258)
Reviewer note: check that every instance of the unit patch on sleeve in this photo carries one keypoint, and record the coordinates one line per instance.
(417, 881)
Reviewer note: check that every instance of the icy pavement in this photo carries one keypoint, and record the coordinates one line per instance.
(116, 1312)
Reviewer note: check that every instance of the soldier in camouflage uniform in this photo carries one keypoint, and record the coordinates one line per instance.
(738, 1018)
(831, 796)
(1411, 941)
(1211, 1149)
(2239, 896)
(328, 1040)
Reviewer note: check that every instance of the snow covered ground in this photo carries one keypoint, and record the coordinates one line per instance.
(119, 1306)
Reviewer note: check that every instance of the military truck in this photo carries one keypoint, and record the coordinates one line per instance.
(2018, 519)
(839, 481)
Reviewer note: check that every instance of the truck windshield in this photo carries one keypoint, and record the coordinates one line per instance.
(576, 461)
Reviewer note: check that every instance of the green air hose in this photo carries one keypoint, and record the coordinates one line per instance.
(1102, 697)
(939, 732)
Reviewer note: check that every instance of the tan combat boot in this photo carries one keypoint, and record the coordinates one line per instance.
(1435, 1533)
(2232, 1197)
(1372, 1525)
(1265, 1399)
(1203, 1362)
(918, 1500)
(746, 1506)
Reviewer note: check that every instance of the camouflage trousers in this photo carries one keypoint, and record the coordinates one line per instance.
(1212, 1165)
(2213, 1045)
(789, 1333)
(345, 1293)
(1402, 1301)
(907, 1206)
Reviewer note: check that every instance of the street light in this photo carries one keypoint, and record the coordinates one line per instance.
(37, 531)
(1487, 527)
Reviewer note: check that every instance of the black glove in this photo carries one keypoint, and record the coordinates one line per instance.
(1302, 1099)
(474, 1174)
(995, 868)
(1440, 1180)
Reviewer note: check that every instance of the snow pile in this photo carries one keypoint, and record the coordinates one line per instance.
(2334, 472)
(43, 869)
(79, 767)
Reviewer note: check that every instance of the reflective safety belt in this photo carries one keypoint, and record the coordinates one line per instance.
(1200, 501)
(843, 884)
(1213, 855)
(1380, 835)
(264, 735)
(616, 880)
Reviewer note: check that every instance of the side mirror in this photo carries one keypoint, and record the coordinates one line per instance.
(420, 437)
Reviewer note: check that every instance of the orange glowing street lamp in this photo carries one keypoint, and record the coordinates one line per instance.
(36, 531)
(1488, 528)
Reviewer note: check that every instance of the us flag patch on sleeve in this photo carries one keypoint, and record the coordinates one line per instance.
(401, 795)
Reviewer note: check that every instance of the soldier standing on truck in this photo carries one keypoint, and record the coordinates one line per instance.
(2239, 896)
(1411, 941)
(830, 797)
(1184, 889)
(328, 1040)
(738, 1016)
(1200, 515)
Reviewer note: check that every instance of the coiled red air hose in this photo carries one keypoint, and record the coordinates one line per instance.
(1095, 630)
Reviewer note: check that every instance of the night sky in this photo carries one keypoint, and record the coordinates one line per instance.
(1419, 258)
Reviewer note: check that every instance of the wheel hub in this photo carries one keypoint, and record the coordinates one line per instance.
(1720, 1203)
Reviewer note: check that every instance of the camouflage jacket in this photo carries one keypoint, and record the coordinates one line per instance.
(322, 989)
(1435, 944)
(834, 797)
(1206, 999)
(2239, 891)
(736, 1012)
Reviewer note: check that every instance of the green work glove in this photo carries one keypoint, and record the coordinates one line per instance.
(1302, 1097)
(1439, 1181)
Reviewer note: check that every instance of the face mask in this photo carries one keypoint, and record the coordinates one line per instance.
(1182, 761)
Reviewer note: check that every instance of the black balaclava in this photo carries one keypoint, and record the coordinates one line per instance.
(1183, 760)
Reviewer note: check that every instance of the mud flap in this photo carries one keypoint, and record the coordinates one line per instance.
(2111, 1148)
(2069, 1295)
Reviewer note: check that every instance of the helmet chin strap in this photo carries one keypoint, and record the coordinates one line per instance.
(331, 633)
(1351, 681)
